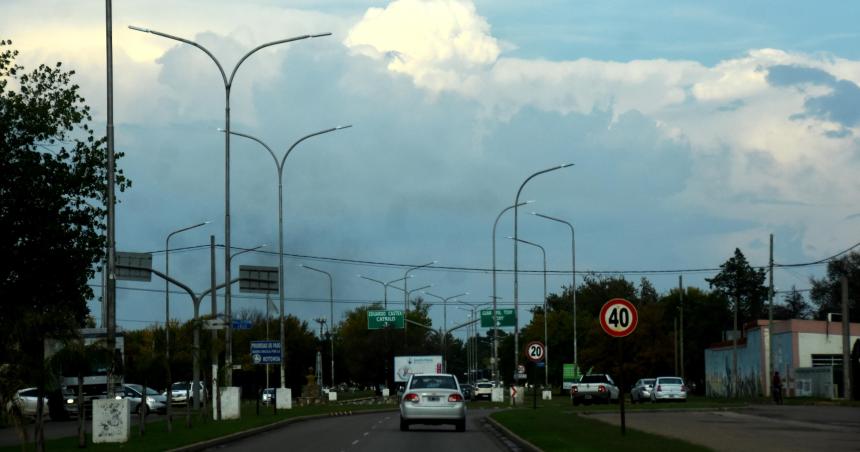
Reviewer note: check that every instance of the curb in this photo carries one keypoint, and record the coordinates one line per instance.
(511, 436)
(210, 443)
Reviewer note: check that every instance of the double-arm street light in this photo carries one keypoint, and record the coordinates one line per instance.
(228, 84)
(471, 337)
(444, 341)
(516, 266)
(495, 366)
(406, 296)
(572, 279)
(330, 314)
(385, 286)
(167, 286)
(279, 164)
(545, 314)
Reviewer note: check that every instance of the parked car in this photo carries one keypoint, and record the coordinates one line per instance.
(467, 391)
(267, 396)
(668, 389)
(483, 390)
(144, 400)
(594, 388)
(641, 391)
(432, 399)
(181, 392)
(25, 400)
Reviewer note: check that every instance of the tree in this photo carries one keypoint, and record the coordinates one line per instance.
(52, 197)
(827, 292)
(794, 307)
(743, 286)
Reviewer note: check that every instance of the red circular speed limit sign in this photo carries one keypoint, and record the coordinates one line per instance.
(535, 351)
(618, 317)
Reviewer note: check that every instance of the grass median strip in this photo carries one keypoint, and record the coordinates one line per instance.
(561, 429)
(156, 436)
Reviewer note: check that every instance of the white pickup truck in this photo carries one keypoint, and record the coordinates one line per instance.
(594, 388)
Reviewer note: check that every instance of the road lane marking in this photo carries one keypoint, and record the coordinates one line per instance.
(366, 433)
(355, 442)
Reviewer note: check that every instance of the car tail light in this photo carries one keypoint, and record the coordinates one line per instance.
(601, 388)
(683, 388)
(411, 397)
(659, 389)
(455, 398)
(574, 389)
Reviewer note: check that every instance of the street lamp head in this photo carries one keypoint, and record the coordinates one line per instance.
(145, 30)
(529, 201)
(207, 222)
(343, 127)
(565, 165)
(320, 35)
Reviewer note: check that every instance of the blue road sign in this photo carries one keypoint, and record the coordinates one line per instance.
(266, 352)
(241, 324)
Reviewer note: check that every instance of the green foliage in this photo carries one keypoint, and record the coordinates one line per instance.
(794, 307)
(52, 194)
(739, 283)
(827, 292)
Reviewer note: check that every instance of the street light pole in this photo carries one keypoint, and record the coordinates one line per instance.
(280, 166)
(330, 315)
(516, 267)
(444, 341)
(545, 313)
(406, 298)
(572, 279)
(167, 286)
(495, 364)
(228, 83)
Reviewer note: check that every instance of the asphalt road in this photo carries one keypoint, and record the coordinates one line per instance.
(374, 432)
(759, 428)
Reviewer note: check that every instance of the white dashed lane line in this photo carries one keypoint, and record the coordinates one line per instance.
(355, 442)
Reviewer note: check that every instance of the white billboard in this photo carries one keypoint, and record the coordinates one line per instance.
(404, 366)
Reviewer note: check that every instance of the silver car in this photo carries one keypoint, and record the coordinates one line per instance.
(182, 393)
(641, 391)
(669, 389)
(152, 401)
(432, 399)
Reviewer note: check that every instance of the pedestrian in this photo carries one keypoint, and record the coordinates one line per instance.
(776, 388)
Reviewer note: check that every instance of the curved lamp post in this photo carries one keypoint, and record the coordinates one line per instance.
(330, 315)
(444, 340)
(228, 84)
(572, 278)
(167, 286)
(495, 364)
(545, 337)
(516, 267)
(279, 163)
(385, 285)
(406, 297)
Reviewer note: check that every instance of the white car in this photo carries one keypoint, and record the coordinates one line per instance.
(669, 389)
(26, 400)
(181, 392)
(152, 401)
(483, 390)
(432, 399)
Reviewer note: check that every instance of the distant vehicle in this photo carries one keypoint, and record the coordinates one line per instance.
(668, 389)
(26, 400)
(641, 391)
(268, 396)
(598, 388)
(467, 390)
(144, 400)
(483, 390)
(181, 392)
(432, 399)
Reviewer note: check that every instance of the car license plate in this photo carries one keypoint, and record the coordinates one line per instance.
(587, 396)
(432, 399)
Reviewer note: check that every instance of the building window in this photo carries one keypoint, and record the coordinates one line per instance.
(824, 360)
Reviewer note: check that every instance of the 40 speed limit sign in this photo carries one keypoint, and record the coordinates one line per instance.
(618, 317)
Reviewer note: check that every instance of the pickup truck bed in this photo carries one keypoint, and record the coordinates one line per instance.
(594, 388)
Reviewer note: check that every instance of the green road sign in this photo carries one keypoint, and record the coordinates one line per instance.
(376, 320)
(504, 316)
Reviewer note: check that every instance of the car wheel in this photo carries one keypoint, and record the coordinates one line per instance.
(404, 425)
(461, 426)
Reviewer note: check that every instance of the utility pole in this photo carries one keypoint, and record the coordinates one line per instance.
(110, 299)
(216, 384)
(734, 381)
(681, 307)
(846, 341)
(770, 367)
(675, 339)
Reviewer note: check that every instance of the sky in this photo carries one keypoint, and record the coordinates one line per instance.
(694, 129)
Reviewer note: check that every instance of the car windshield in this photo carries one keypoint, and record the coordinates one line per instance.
(671, 381)
(648, 382)
(433, 382)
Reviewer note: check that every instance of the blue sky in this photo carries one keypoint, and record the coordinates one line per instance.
(694, 130)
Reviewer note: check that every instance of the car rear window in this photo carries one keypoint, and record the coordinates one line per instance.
(648, 382)
(485, 385)
(434, 382)
(593, 379)
(671, 381)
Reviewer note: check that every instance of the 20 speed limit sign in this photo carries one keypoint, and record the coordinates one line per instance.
(618, 317)
(535, 351)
